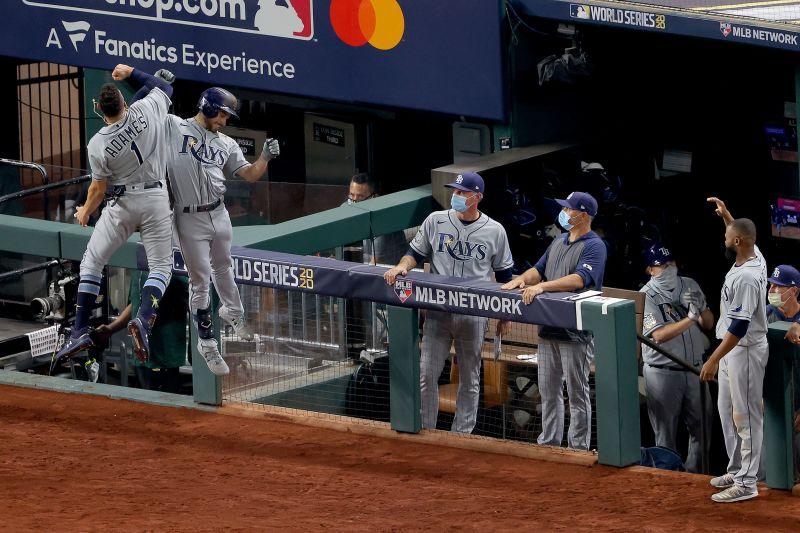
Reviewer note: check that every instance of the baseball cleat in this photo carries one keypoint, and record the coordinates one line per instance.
(77, 342)
(722, 482)
(240, 327)
(210, 352)
(141, 343)
(736, 493)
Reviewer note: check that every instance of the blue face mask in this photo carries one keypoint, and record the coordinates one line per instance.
(563, 221)
(459, 203)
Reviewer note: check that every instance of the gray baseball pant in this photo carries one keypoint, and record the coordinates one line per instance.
(571, 361)
(440, 331)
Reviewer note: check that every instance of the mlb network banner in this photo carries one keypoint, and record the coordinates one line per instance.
(440, 56)
(651, 18)
(328, 277)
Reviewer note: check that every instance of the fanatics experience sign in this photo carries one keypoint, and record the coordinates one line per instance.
(344, 279)
(442, 56)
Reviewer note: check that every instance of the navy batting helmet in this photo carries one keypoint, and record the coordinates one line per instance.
(657, 255)
(216, 98)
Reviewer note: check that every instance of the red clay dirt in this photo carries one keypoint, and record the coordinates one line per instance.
(84, 463)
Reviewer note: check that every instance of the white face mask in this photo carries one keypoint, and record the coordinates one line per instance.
(776, 298)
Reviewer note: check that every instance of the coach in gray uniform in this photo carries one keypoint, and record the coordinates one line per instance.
(574, 261)
(128, 153)
(674, 306)
(741, 359)
(462, 242)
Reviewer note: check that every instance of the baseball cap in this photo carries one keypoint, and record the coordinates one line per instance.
(657, 255)
(785, 276)
(582, 201)
(468, 182)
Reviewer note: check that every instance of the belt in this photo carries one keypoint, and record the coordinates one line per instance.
(137, 187)
(668, 367)
(202, 207)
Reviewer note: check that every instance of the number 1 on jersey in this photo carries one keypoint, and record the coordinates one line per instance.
(135, 150)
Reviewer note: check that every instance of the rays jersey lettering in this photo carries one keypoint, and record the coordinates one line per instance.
(126, 135)
(204, 153)
(471, 251)
(460, 250)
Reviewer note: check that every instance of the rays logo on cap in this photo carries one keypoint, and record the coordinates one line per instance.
(459, 179)
(403, 289)
(776, 273)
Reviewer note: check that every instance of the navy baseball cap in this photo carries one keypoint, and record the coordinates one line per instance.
(785, 276)
(468, 182)
(657, 255)
(581, 201)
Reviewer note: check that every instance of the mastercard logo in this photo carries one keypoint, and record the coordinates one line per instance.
(377, 22)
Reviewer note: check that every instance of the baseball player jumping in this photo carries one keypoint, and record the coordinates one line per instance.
(465, 243)
(199, 159)
(741, 359)
(129, 154)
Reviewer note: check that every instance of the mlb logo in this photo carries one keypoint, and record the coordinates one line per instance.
(725, 28)
(403, 289)
(285, 18)
(579, 11)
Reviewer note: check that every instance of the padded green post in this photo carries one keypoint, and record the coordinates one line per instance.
(616, 380)
(206, 387)
(778, 427)
(404, 369)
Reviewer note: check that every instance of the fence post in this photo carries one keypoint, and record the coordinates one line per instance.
(404, 369)
(616, 379)
(206, 387)
(778, 427)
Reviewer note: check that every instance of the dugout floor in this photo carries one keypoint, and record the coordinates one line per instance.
(73, 462)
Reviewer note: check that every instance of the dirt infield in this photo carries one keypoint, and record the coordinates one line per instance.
(83, 463)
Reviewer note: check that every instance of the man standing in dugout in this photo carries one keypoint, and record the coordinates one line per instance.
(575, 261)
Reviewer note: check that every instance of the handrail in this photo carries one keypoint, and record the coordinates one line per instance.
(34, 166)
(27, 164)
(44, 188)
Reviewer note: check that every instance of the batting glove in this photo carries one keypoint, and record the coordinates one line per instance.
(165, 75)
(694, 313)
(695, 298)
(271, 149)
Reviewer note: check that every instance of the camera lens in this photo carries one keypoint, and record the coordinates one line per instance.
(41, 307)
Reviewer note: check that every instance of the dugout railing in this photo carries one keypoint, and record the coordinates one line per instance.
(618, 439)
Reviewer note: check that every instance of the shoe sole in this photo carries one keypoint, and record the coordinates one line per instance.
(721, 486)
(79, 347)
(734, 500)
(139, 349)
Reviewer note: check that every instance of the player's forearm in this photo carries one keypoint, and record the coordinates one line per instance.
(123, 318)
(670, 331)
(254, 171)
(706, 320)
(729, 342)
(531, 276)
(407, 262)
(95, 195)
(568, 283)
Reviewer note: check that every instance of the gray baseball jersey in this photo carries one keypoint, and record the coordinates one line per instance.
(199, 161)
(660, 309)
(132, 150)
(463, 250)
(743, 298)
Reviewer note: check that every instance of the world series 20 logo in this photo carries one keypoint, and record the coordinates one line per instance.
(403, 289)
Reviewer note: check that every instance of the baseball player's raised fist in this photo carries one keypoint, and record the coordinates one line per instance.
(271, 149)
(516, 283)
(391, 274)
(121, 72)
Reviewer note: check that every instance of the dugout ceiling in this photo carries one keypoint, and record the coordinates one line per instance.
(774, 24)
